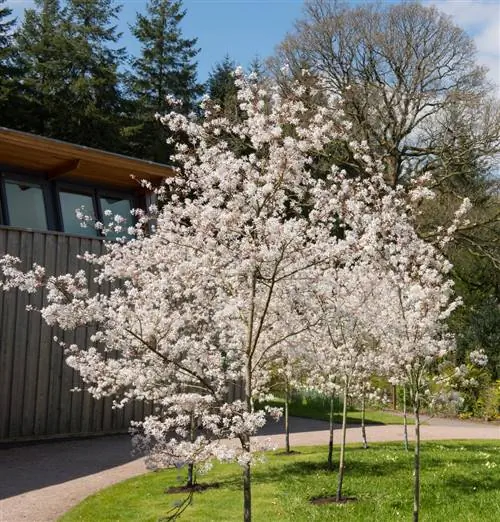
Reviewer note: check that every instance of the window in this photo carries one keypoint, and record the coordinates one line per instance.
(25, 205)
(72, 202)
(116, 206)
(28, 201)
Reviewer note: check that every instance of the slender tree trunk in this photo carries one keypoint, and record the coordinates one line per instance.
(394, 398)
(330, 441)
(416, 471)
(287, 420)
(363, 427)
(192, 437)
(405, 420)
(245, 443)
(247, 482)
(342, 446)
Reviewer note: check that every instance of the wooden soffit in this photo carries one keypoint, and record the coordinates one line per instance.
(54, 159)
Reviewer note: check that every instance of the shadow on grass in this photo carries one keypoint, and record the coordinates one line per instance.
(467, 484)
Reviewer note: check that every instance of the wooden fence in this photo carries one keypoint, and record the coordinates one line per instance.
(36, 401)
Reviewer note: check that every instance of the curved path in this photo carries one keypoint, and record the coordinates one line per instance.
(39, 482)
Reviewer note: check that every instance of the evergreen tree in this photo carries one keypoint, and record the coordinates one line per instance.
(9, 70)
(93, 79)
(45, 58)
(70, 80)
(165, 67)
(221, 88)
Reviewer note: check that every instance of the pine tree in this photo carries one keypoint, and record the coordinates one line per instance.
(221, 87)
(70, 77)
(45, 58)
(9, 70)
(93, 79)
(165, 67)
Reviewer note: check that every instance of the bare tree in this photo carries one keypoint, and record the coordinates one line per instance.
(408, 76)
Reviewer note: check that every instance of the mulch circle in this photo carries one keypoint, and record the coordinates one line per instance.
(331, 500)
(197, 488)
(287, 453)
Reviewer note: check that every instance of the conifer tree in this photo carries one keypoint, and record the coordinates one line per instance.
(9, 70)
(94, 81)
(165, 67)
(221, 86)
(44, 58)
(70, 82)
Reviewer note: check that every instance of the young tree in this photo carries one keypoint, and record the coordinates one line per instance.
(418, 303)
(165, 67)
(203, 301)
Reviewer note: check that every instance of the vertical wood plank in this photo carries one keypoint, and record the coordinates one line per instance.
(34, 323)
(56, 356)
(46, 346)
(19, 343)
(11, 245)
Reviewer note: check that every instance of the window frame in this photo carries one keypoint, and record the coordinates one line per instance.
(52, 200)
(95, 193)
(31, 179)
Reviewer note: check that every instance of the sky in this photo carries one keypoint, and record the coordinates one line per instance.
(245, 29)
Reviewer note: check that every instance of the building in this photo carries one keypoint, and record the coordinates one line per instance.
(42, 182)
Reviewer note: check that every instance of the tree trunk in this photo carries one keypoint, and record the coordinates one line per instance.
(416, 471)
(363, 427)
(330, 441)
(342, 446)
(192, 437)
(245, 443)
(287, 420)
(247, 483)
(405, 419)
(394, 398)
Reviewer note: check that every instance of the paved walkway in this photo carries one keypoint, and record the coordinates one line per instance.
(39, 482)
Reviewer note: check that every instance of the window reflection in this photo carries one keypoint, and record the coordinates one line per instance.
(70, 204)
(26, 205)
(112, 207)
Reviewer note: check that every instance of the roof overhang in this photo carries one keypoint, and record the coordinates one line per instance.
(54, 159)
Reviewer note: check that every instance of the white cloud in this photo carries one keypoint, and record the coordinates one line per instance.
(481, 19)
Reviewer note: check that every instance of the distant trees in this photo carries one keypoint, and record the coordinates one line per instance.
(402, 69)
(9, 70)
(165, 67)
(221, 87)
(64, 74)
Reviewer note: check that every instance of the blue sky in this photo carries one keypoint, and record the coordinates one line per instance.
(245, 29)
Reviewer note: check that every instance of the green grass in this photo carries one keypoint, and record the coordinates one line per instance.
(460, 483)
(316, 407)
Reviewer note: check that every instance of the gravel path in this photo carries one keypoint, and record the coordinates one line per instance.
(39, 482)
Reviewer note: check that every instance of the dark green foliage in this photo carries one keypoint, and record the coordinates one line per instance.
(221, 88)
(94, 102)
(9, 70)
(164, 68)
(70, 82)
(42, 58)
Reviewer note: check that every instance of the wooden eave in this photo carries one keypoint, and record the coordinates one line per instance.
(54, 159)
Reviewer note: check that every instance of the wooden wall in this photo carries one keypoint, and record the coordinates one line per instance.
(35, 383)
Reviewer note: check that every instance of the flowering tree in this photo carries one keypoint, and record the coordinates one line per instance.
(413, 331)
(206, 303)
(203, 302)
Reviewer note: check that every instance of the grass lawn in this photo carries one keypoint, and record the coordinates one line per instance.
(316, 408)
(460, 483)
